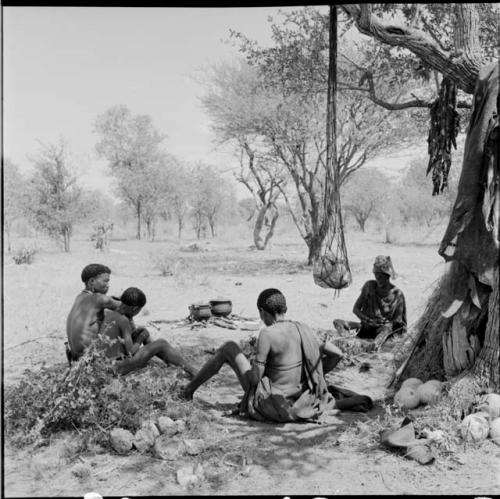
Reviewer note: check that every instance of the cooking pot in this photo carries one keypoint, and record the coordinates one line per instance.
(221, 306)
(200, 311)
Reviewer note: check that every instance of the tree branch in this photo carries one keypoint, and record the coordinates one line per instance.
(395, 106)
(462, 67)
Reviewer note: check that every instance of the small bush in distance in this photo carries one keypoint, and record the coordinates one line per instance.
(24, 255)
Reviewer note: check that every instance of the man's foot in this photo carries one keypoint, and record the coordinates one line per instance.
(182, 394)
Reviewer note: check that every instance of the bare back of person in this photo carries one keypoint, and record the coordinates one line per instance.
(284, 360)
(112, 329)
(84, 321)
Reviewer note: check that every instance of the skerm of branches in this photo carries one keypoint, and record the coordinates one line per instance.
(285, 119)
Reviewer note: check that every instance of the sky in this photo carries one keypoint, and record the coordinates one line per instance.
(63, 66)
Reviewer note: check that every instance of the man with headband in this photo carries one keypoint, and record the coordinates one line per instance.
(286, 381)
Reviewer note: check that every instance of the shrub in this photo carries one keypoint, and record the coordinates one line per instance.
(24, 255)
(90, 397)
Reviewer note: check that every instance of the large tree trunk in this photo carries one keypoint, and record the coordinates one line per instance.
(465, 344)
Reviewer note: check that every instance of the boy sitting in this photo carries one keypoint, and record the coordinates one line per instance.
(132, 346)
(87, 313)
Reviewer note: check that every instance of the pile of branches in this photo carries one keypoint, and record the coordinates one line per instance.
(89, 397)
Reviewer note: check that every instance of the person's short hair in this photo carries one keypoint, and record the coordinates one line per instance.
(273, 301)
(133, 297)
(93, 270)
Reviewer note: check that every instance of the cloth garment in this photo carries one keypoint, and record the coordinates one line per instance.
(389, 310)
(263, 403)
(347, 400)
(384, 264)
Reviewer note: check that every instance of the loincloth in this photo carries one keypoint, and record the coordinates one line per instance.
(264, 404)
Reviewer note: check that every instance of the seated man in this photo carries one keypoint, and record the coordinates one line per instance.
(285, 382)
(132, 346)
(87, 313)
(381, 306)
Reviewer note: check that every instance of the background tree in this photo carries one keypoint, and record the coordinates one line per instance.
(158, 189)
(456, 41)
(212, 197)
(131, 144)
(14, 204)
(56, 200)
(413, 199)
(100, 211)
(235, 101)
(180, 195)
(364, 194)
(290, 120)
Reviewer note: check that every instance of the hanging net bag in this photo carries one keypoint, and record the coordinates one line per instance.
(331, 268)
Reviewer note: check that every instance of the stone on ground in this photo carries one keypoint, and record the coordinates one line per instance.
(193, 446)
(167, 426)
(168, 448)
(144, 440)
(121, 440)
(150, 426)
(186, 476)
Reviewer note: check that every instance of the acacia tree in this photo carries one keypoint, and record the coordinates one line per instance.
(235, 100)
(14, 198)
(131, 144)
(364, 194)
(158, 189)
(413, 200)
(209, 199)
(458, 334)
(292, 120)
(180, 195)
(56, 202)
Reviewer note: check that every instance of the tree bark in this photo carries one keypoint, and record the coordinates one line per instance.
(488, 362)
(262, 232)
(138, 214)
(314, 243)
(462, 66)
(180, 225)
(66, 240)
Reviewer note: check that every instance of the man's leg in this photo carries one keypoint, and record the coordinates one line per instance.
(141, 335)
(330, 361)
(229, 353)
(345, 327)
(161, 349)
(383, 333)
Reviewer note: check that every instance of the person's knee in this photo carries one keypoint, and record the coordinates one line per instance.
(159, 345)
(230, 349)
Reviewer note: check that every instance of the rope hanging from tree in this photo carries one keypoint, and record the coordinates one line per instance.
(442, 134)
(331, 269)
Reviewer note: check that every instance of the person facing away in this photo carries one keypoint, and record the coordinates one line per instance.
(131, 346)
(286, 381)
(381, 306)
(87, 313)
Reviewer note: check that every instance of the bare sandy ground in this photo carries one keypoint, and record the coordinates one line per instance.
(255, 458)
